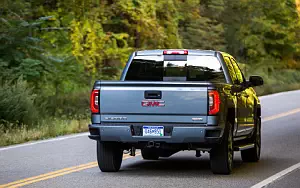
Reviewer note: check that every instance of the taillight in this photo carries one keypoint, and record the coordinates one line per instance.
(214, 102)
(94, 101)
(175, 52)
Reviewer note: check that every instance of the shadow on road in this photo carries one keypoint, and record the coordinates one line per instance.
(190, 166)
(171, 164)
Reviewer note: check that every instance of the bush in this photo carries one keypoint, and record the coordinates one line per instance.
(65, 103)
(280, 80)
(17, 103)
(275, 79)
(73, 104)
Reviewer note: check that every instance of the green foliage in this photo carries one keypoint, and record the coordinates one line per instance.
(276, 80)
(59, 47)
(200, 28)
(262, 28)
(136, 18)
(66, 100)
(167, 15)
(21, 51)
(17, 103)
(50, 127)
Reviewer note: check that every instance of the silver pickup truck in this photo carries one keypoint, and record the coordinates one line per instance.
(173, 100)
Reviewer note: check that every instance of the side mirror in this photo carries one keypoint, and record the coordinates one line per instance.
(256, 81)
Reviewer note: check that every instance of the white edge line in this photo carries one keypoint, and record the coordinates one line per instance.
(86, 133)
(277, 176)
(45, 141)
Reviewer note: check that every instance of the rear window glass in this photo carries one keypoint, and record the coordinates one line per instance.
(190, 68)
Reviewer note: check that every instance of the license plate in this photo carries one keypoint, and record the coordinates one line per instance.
(153, 131)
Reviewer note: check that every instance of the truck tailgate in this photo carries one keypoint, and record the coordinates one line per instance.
(153, 102)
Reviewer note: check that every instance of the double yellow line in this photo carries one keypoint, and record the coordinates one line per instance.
(69, 170)
(54, 174)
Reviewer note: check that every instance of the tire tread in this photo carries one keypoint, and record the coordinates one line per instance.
(109, 156)
(219, 155)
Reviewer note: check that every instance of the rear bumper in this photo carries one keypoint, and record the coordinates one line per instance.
(178, 134)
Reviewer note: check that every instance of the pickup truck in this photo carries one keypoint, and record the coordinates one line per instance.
(173, 100)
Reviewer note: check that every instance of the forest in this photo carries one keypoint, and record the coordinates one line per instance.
(51, 51)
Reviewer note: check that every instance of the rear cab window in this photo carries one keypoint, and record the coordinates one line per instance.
(176, 68)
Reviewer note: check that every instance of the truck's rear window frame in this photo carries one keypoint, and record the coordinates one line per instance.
(158, 65)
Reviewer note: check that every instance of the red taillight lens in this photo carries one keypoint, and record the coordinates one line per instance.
(94, 101)
(176, 52)
(214, 102)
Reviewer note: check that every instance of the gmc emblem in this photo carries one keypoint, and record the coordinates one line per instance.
(152, 103)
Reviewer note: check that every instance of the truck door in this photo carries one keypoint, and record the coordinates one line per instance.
(240, 102)
(248, 104)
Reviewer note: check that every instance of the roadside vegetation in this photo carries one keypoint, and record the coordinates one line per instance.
(44, 129)
(52, 51)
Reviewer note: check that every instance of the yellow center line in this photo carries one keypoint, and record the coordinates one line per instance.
(47, 174)
(297, 110)
(69, 170)
(54, 174)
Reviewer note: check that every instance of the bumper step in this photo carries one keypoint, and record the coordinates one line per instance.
(243, 147)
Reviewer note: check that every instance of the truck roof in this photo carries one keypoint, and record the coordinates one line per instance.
(190, 51)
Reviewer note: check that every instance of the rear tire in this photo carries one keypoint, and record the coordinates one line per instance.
(109, 156)
(253, 154)
(149, 154)
(221, 156)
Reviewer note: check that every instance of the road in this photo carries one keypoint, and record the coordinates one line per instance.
(55, 163)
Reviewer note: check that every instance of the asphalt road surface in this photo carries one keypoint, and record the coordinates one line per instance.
(70, 161)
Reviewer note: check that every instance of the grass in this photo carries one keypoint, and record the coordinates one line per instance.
(275, 81)
(46, 129)
(269, 89)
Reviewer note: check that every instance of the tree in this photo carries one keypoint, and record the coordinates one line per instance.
(167, 14)
(262, 29)
(200, 28)
(22, 52)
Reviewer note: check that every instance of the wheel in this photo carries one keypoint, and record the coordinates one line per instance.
(109, 156)
(253, 154)
(221, 156)
(149, 154)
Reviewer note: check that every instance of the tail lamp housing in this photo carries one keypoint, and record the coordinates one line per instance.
(94, 101)
(213, 102)
(175, 52)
